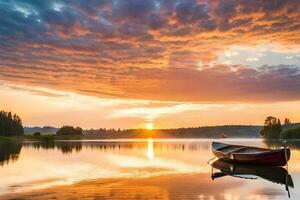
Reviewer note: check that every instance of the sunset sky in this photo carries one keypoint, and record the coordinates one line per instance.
(142, 63)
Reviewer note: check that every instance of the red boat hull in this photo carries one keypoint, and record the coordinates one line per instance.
(262, 156)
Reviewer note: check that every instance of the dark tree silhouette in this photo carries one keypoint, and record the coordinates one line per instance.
(10, 124)
(272, 128)
(69, 130)
(287, 122)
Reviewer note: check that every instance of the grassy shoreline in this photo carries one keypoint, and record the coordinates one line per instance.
(11, 138)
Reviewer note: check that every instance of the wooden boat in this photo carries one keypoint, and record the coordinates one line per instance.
(251, 155)
(271, 173)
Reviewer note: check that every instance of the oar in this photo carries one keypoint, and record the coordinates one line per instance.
(285, 155)
(217, 175)
(286, 186)
(210, 160)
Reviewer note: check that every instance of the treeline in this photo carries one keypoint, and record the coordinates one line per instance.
(240, 131)
(43, 130)
(273, 129)
(49, 130)
(64, 133)
(10, 124)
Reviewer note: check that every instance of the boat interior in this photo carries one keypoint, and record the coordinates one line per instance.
(239, 149)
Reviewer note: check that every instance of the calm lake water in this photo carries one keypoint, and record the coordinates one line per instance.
(136, 169)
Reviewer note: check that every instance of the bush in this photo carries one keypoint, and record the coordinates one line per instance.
(37, 134)
(290, 134)
(69, 130)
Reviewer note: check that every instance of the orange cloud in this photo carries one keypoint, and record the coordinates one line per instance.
(150, 49)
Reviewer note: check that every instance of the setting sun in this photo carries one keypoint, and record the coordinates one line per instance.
(149, 126)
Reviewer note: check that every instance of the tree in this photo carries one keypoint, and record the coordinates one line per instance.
(69, 130)
(272, 128)
(10, 124)
(287, 122)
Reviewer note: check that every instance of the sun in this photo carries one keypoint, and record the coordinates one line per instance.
(149, 126)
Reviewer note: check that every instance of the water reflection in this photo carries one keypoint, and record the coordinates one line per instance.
(64, 147)
(150, 151)
(150, 145)
(273, 174)
(293, 144)
(9, 151)
(130, 169)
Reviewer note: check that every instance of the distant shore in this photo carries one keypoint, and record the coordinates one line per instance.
(232, 131)
(242, 131)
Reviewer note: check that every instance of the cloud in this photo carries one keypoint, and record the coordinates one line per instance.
(36, 91)
(190, 11)
(152, 113)
(252, 59)
(148, 49)
(218, 83)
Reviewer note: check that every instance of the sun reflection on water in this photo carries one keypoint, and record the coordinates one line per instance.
(150, 151)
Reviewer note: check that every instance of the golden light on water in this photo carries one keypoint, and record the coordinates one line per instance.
(150, 151)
